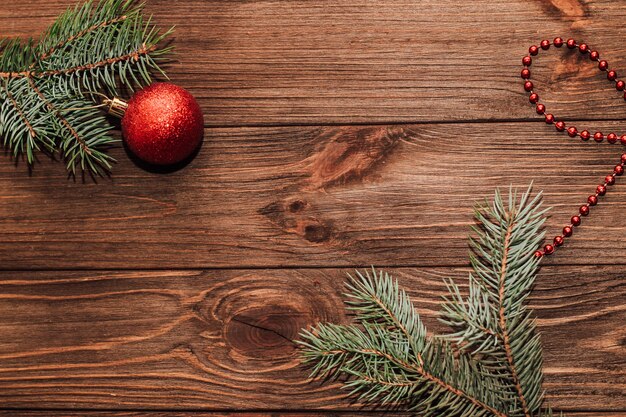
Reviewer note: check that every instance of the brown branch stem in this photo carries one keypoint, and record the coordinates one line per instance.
(503, 325)
(144, 50)
(424, 374)
(387, 383)
(80, 34)
(58, 114)
(20, 111)
(460, 393)
(397, 322)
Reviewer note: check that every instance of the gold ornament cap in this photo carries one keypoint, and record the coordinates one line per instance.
(116, 107)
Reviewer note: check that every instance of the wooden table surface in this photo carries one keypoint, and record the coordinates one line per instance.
(339, 134)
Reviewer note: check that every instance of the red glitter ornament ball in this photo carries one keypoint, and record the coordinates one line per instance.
(163, 124)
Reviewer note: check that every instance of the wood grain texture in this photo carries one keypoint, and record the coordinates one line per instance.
(85, 413)
(357, 61)
(285, 181)
(222, 340)
(309, 196)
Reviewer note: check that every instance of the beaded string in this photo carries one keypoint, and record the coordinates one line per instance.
(560, 126)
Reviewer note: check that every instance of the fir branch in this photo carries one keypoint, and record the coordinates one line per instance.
(393, 361)
(381, 300)
(19, 110)
(133, 57)
(93, 47)
(58, 114)
(23, 128)
(63, 42)
(491, 365)
(493, 320)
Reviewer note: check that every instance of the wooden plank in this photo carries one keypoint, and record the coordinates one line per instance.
(220, 340)
(83, 413)
(309, 196)
(357, 61)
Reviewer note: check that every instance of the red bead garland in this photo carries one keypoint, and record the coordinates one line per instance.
(584, 135)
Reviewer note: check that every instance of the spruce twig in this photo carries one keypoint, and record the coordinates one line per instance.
(490, 365)
(393, 360)
(504, 271)
(46, 102)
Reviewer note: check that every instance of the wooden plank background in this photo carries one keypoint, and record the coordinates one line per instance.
(339, 134)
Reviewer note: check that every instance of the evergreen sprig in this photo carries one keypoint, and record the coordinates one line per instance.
(493, 320)
(491, 362)
(48, 86)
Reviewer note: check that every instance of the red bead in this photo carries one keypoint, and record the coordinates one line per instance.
(619, 86)
(624, 158)
(609, 180)
(558, 42)
(583, 48)
(572, 131)
(598, 137)
(594, 55)
(541, 109)
(592, 200)
(548, 249)
(560, 126)
(568, 231)
(576, 220)
(528, 86)
(611, 137)
(533, 98)
(549, 118)
(545, 44)
(611, 75)
(603, 65)
(527, 61)
(584, 210)
(585, 135)
(538, 254)
(525, 73)
(571, 43)
(623, 139)
(558, 241)
(619, 170)
(624, 96)
(601, 190)
(533, 50)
